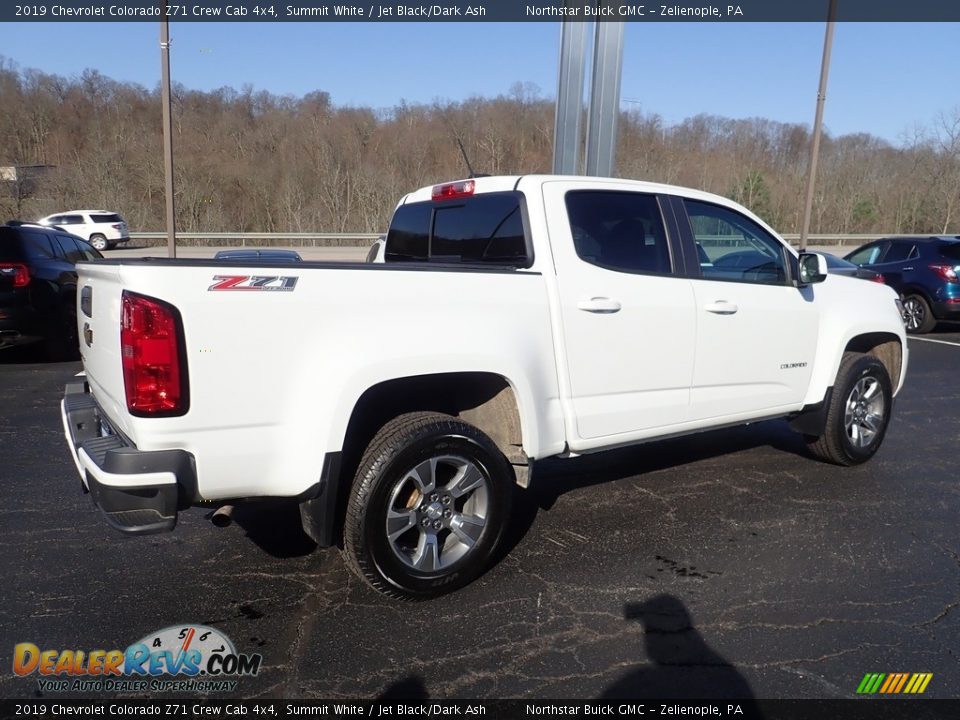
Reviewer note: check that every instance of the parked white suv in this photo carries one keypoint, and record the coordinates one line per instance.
(101, 228)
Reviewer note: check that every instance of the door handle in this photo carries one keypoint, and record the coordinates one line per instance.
(905, 269)
(721, 307)
(599, 305)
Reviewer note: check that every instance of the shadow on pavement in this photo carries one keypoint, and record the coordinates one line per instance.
(409, 688)
(555, 477)
(274, 526)
(680, 663)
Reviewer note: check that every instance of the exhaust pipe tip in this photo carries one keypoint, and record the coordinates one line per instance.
(223, 516)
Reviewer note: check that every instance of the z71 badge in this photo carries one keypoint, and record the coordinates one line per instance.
(254, 282)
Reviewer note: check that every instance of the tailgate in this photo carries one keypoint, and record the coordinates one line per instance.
(99, 290)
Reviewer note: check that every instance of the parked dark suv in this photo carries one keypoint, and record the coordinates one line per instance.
(925, 271)
(38, 287)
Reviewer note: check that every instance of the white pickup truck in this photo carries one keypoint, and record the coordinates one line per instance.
(513, 319)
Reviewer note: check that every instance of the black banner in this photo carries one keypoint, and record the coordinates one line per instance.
(477, 11)
(859, 709)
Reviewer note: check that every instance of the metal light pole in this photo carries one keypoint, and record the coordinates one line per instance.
(601, 145)
(167, 131)
(817, 123)
(566, 132)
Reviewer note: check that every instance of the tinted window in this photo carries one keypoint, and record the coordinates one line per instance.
(10, 245)
(951, 251)
(88, 251)
(37, 245)
(735, 248)
(70, 250)
(67, 220)
(105, 218)
(485, 228)
(620, 231)
(409, 235)
(900, 251)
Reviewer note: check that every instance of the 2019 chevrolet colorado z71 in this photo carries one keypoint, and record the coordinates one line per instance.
(513, 319)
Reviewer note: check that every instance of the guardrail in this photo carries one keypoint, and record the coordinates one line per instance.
(255, 239)
(262, 239)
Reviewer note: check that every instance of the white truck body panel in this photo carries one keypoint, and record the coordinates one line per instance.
(275, 376)
(263, 365)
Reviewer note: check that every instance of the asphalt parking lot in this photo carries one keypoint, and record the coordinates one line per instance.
(729, 564)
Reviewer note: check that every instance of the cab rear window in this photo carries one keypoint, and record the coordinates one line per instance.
(485, 229)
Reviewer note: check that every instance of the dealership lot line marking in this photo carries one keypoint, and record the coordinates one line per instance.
(939, 342)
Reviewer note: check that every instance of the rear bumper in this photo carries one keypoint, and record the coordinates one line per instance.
(946, 310)
(139, 492)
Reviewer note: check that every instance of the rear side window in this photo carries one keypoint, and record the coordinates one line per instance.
(37, 245)
(70, 250)
(484, 229)
(87, 250)
(621, 231)
(951, 251)
(105, 218)
(900, 251)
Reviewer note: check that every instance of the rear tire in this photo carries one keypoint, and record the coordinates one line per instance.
(99, 242)
(919, 316)
(428, 506)
(858, 413)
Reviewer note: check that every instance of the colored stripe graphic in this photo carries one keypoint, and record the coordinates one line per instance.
(894, 683)
(870, 683)
(903, 680)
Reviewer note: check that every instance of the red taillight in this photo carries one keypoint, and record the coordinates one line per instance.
(116, 226)
(945, 272)
(18, 271)
(879, 278)
(154, 371)
(449, 191)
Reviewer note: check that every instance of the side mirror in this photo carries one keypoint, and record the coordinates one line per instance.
(813, 268)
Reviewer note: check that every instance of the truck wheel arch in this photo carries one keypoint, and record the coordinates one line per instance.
(885, 347)
(486, 400)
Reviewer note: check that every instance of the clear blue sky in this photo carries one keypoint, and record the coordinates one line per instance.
(885, 78)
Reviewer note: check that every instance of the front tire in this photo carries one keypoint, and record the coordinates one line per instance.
(919, 316)
(858, 413)
(428, 506)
